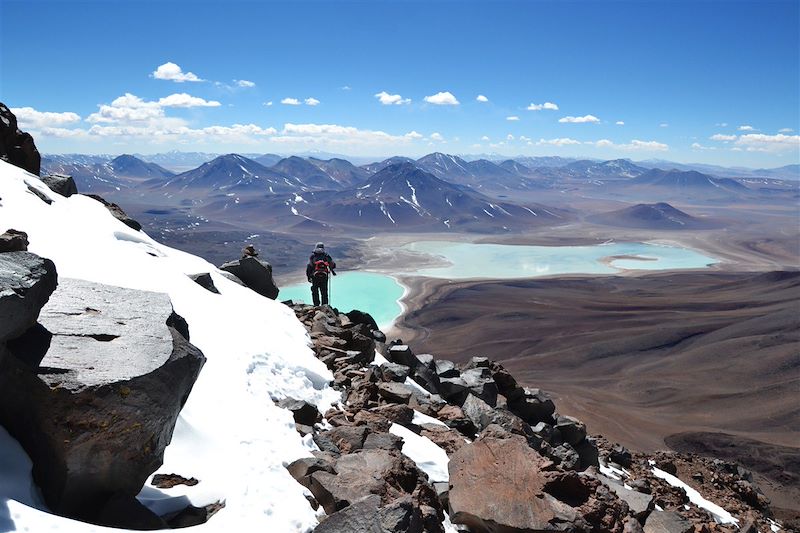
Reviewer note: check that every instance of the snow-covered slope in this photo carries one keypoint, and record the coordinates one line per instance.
(230, 435)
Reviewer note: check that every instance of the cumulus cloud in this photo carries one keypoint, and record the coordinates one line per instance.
(268, 104)
(290, 101)
(634, 145)
(391, 99)
(746, 127)
(785, 130)
(172, 72)
(481, 98)
(345, 88)
(620, 123)
(509, 137)
(442, 98)
(436, 136)
(538, 107)
(586, 119)
(721, 124)
(30, 118)
(244, 83)
(185, 100)
(722, 137)
(413, 135)
(663, 125)
(312, 101)
(562, 141)
(760, 142)
(512, 118)
(485, 138)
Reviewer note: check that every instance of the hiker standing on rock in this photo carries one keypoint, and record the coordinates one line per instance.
(319, 266)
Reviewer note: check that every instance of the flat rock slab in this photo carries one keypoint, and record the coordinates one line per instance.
(103, 334)
(498, 485)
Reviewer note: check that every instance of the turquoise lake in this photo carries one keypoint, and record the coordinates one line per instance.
(379, 294)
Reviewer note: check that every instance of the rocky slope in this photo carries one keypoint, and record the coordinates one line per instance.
(513, 463)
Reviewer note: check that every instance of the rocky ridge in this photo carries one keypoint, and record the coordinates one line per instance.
(515, 463)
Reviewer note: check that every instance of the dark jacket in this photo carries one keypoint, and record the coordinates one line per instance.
(312, 260)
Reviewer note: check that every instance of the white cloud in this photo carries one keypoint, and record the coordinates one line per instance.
(700, 147)
(524, 139)
(512, 118)
(413, 135)
(391, 99)
(785, 130)
(563, 141)
(127, 108)
(312, 101)
(663, 125)
(185, 100)
(171, 71)
(481, 98)
(290, 101)
(579, 120)
(30, 118)
(345, 88)
(721, 124)
(759, 142)
(268, 104)
(485, 138)
(509, 137)
(746, 127)
(634, 145)
(436, 136)
(442, 98)
(244, 83)
(620, 123)
(538, 107)
(722, 137)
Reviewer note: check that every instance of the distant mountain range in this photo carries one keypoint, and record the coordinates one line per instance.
(102, 174)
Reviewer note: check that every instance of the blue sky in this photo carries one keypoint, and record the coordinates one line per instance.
(714, 82)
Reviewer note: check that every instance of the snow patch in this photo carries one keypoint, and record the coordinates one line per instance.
(720, 515)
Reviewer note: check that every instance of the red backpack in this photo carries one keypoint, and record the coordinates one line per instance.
(321, 268)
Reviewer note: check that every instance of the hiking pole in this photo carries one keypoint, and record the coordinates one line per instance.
(330, 290)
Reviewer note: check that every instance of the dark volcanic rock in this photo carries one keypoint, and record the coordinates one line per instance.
(303, 412)
(17, 147)
(26, 282)
(255, 274)
(533, 406)
(14, 241)
(117, 212)
(205, 281)
(61, 184)
(97, 414)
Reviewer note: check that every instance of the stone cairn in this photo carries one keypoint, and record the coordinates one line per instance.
(515, 464)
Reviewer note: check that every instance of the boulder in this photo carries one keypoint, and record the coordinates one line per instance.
(533, 406)
(480, 383)
(446, 369)
(454, 390)
(511, 495)
(402, 355)
(667, 522)
(255, 274)
(17, 147)
(302, 411)
(61, 184)
(367, 516)
(394, 372)
(97, 413)
(482, 415)
(117, 212)
(14, 241)
(388, 474)
(572, 430)
(26, 283)
(205, 281)
(395, 392)
(346, 438)
(359, 317)
(639, 504)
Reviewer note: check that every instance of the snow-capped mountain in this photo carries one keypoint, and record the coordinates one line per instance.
(233, 172)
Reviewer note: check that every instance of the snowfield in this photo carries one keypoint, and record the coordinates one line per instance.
(230, 435)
